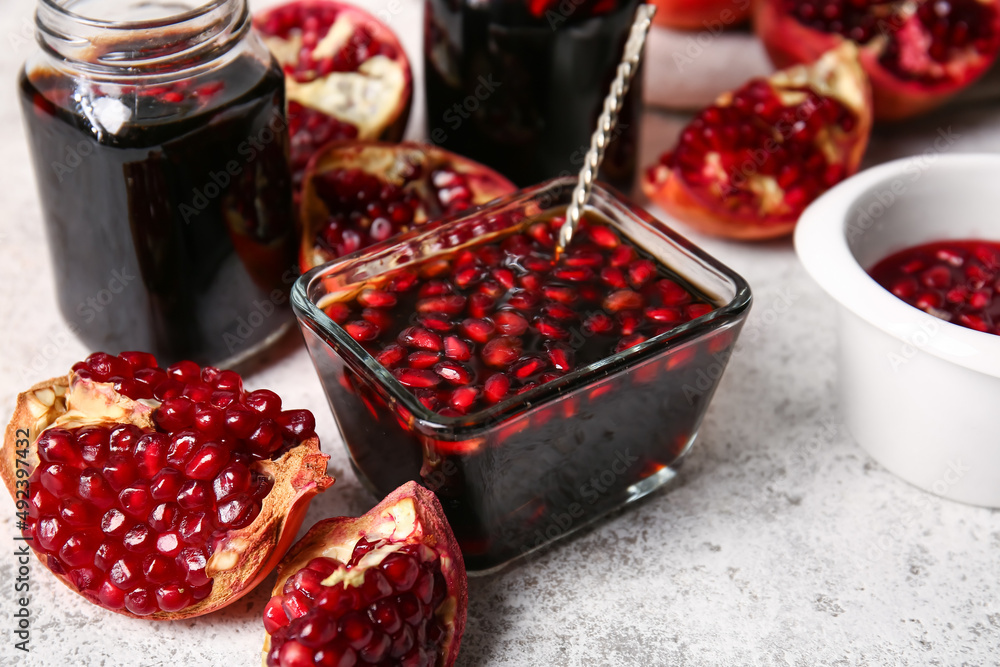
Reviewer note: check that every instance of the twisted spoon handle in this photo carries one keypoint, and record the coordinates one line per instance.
(606, 124)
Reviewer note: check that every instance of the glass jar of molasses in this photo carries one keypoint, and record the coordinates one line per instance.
(160, 148)
(519, 84)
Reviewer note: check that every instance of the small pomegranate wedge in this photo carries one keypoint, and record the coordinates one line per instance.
(164, 493)
(747, 167)
(359, 193)
(346, 74)
(918, 53)
(388, 588)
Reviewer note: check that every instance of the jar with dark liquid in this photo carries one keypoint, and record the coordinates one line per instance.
(519, 84)
(160, 150)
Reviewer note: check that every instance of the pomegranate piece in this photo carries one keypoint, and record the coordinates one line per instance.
(956, 281)
(918, 53)
(701, 14)
(346, 75)
(748, 166)
(388, 588)
(541, 321)
(359, 193)
(166, 493)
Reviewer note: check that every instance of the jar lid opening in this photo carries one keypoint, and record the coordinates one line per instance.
(142, 37)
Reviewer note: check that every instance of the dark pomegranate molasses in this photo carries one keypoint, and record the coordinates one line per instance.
(465, 333)
(518, 85)
(957, 281)
(165, 187)
(489, 337)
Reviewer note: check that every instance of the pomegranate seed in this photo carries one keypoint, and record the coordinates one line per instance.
(623, 300)
(510, 323)
(391, 355)
(411, 377)
(421, 339)
(373, 298)
(454, 373)
(362, 330)
(422, 359)
(527, 367)
(696, 310)
(501, 351)
(457, 349)
(478, 330)
(671, 293)
(598, 323)
(451, 304)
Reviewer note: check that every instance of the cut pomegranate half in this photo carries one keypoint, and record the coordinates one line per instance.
(388, 588)
(701, 14)
(346, 75)
(918, 53)
(359, 193)
(159, 493)
(748, 166)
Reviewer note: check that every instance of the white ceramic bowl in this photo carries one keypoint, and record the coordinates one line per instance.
(921, 395)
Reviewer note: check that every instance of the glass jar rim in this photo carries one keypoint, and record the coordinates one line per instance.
(139, 24)
(128, 49)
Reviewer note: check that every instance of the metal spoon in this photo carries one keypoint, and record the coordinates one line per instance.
(606, 124)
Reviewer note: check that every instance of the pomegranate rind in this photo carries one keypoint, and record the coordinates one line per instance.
(700, 14)
(394, 124)
(837, 74)
(789, 43)
(384, 160)
(337, 537)
(246, 556)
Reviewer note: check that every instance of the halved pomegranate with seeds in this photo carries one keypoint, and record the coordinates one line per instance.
(359, 193)
(347, 76)
(388, 588)
(701, 14)
(165, 493)
(748, 166)
(918, 53)
(956, 281)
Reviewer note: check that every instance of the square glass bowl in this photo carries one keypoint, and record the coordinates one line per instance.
(537, 465)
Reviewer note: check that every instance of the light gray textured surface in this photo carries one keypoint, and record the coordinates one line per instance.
(784, 543)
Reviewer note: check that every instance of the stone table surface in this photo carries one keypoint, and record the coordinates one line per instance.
(783, 543)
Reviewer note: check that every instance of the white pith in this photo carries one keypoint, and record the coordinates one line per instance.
(366, 98)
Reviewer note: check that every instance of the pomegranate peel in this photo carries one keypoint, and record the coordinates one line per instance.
(915, 53)
(69, 406)
(748, 166)
(354, 564)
